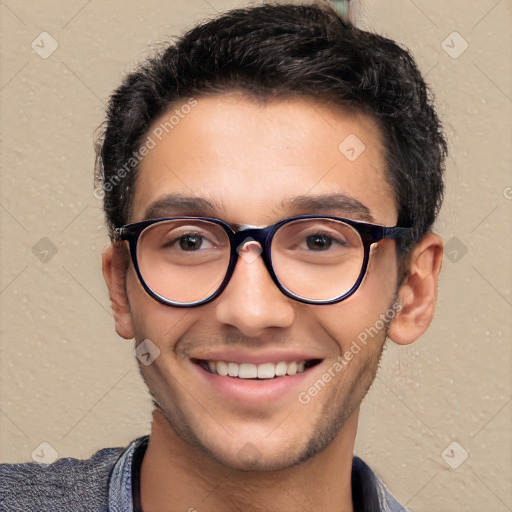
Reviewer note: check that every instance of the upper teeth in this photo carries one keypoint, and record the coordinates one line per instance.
(253, 371)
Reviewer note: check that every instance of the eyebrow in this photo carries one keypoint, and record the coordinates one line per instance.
(343, 203)
(182, 205)
(176, 204)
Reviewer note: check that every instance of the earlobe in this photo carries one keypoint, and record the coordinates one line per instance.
(418, 293)
(115, 263)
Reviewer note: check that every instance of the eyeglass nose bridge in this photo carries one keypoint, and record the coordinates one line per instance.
(251, 235)
(239, 239)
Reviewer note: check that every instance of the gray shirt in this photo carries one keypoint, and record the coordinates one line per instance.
(103, 483)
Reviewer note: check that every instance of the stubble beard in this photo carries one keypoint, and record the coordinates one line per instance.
(327, 427)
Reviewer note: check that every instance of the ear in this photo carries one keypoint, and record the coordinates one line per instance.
(115, 262)
(418, 292)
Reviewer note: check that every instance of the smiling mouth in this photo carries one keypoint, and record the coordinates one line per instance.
(253, 371)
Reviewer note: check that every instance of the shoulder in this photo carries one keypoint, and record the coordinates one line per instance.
(67, 484)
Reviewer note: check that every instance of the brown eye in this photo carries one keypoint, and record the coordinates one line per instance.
(319, 242)
(190, 242)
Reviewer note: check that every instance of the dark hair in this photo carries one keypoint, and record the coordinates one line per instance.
(275, 51)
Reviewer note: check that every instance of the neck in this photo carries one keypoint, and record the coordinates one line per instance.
(177, 477)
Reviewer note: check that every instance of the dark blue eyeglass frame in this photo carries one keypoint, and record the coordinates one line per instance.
(369, 233)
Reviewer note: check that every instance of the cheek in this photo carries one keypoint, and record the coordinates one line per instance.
(363, 312)
(382, 271)
(152, 320)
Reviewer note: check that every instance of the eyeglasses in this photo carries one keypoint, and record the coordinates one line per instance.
(188, 261)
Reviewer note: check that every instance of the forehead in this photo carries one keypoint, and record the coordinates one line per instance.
(254, 163)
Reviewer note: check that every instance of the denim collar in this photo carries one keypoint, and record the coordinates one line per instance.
(120, 485)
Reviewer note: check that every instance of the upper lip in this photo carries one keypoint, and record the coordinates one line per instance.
(274, 356)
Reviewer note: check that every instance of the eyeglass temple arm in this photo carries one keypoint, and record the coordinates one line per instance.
(120, 234)
(396, 232)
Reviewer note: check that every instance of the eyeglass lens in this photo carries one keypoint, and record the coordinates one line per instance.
(186, 260)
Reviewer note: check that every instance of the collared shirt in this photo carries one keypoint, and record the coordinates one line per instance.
(109, 482)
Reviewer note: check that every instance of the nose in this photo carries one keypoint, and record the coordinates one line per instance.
(251, 301)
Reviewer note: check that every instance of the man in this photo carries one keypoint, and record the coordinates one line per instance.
(270, 182)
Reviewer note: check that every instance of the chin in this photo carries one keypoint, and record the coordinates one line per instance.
(250, 458)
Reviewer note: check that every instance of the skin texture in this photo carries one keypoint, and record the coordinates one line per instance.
(249, 159)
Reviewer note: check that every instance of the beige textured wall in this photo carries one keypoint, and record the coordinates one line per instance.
(68, 380)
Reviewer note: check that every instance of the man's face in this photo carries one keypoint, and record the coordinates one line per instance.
(251, 162)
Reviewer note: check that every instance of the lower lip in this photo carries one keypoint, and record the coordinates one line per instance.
(254, 391)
